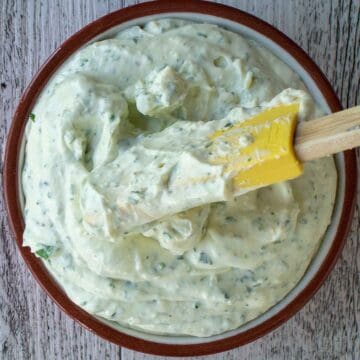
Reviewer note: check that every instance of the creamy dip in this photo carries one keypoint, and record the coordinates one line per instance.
(108, 204)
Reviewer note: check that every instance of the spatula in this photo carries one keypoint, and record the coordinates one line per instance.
(277, 146)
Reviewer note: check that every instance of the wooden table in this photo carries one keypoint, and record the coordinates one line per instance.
(31, 325)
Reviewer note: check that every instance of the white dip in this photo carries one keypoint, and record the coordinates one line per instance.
(102, 223)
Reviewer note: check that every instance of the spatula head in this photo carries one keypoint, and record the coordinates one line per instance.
(259, 150)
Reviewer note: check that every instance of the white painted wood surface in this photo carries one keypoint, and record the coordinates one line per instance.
(32, 327)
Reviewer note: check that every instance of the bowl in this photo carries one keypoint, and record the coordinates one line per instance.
(318, 86)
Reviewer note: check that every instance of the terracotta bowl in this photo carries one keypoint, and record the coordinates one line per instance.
(318, 86)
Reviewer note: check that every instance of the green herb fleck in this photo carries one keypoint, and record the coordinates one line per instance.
(136, 196)
(205, 258)
(83, 62)
(259, 223)
(226, 296)
(32, 117)
(46, 251)
(287, 222)
(160, 266)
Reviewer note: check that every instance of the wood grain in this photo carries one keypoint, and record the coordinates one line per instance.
(32, 327)
(328, 135)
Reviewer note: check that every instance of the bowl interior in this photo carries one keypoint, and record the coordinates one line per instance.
(331, 231)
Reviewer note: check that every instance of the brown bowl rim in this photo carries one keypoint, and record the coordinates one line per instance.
(11, 190)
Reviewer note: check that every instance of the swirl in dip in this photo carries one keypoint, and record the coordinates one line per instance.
(112, 133)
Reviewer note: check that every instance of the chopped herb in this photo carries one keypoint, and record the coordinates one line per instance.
(138, 192)
(160, 266)
(205, 258)
(112, 117)
(180, 257)
(230, 219)
(197, 305)
(83, 62)
(228, 124)
(136, 196)
(32, 117)
(220, 62)
(202, 35)
(46, 251)
(208, 144)
(259, 223)
(129, 284)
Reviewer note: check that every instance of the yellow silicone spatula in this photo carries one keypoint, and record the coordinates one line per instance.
(276, 146)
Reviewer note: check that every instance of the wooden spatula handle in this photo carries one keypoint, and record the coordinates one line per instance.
(328, 135)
